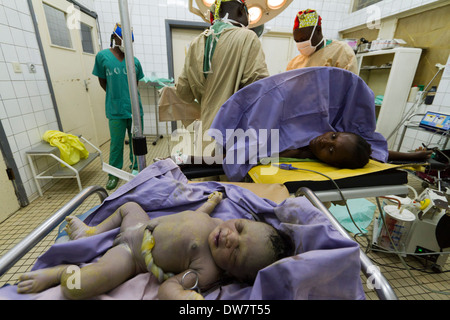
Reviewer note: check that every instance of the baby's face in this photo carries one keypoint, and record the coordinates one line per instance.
(241, 246)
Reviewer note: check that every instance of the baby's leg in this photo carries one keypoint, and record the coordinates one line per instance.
(39, 280)
(213, 200)
(113, 269)
(127, 215)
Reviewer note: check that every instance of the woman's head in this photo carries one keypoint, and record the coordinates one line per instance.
(242, 247)
(341, 149)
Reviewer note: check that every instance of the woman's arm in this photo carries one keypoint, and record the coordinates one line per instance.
(410, 156)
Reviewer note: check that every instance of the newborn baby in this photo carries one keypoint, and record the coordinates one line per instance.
(184, 251)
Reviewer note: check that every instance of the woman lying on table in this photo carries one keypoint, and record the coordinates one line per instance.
(347, 150)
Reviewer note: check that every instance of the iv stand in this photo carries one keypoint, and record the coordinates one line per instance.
(417, 103)
(139, 140)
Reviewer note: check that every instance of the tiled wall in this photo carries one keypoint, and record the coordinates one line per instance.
(26, 108)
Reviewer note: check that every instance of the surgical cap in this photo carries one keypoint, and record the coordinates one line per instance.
(118, 31)
(307, 18)
(216, 8)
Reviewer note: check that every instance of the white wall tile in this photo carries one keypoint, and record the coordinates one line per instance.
(12, 144)
(17, 125)
(22, 140)
(20, 89)
(25, 105)
(7, 127)
(6, 34)
(12, 107)
(22, 6)
(9, 52)
(6, 90)
(446, 100)
(27, 23)
(4, 74)
(3, 114)
(3, 19)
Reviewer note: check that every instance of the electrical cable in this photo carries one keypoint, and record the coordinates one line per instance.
(340, 193)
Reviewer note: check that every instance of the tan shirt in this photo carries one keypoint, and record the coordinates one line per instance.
(337, 54)
(238, 61)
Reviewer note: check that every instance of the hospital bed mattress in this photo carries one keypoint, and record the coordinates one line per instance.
(383, 178)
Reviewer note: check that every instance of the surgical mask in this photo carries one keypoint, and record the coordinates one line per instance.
(121, 46)
(305, 47)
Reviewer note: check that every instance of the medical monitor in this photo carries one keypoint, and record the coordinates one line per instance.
(435, 122)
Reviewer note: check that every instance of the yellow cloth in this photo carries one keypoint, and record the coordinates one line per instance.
(273, 174)
(336, 54)
(71, 149)
(148, 242)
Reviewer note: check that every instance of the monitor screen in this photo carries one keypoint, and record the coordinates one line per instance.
(435, 121)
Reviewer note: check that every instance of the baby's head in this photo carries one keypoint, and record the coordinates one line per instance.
(243, 247)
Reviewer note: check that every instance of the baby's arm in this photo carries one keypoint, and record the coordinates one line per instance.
(213, 200)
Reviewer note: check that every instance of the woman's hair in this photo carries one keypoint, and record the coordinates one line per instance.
(360, 155)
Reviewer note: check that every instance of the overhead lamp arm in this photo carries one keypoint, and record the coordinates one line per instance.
(195, 11)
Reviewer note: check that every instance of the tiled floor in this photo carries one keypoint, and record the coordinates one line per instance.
(27, 219)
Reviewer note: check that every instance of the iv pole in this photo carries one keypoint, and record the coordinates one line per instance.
(139, 141)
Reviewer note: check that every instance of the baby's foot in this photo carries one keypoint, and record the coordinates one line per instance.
(39, 280)
(77, 229)
(215, 197)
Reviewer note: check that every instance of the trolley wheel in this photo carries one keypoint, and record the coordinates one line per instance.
(154, 143)
(436, 268)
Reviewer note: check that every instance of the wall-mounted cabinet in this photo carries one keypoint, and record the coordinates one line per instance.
(389, 73)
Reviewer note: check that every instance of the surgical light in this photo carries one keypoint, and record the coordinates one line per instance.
(208, 3)
(255, 14)
(275, 4)
(260, 11)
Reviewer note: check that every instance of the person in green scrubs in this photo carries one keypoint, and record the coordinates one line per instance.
(111, 70)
